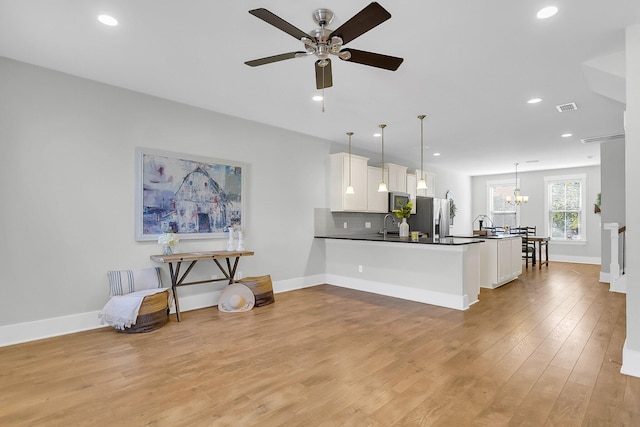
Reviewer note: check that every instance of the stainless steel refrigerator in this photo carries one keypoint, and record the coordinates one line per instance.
(431, 217)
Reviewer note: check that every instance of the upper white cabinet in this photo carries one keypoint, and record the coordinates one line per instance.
(376, 202)
(341, 173)
(397, 177)
(411, 189)
(430, 178)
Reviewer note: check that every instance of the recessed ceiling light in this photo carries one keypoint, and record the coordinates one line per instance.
(377, 135)
(317, 98)
(108, 20)
(566, 135)
(436, 154)
(547, 12)
(534, 100)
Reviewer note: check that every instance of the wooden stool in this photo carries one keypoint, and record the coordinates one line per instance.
(153, 314)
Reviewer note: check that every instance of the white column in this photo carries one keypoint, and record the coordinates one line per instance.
(614, 266)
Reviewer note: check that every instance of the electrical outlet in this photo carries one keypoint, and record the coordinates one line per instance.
(238, 275)
(367, 225)
(360, 269)
(344, 225)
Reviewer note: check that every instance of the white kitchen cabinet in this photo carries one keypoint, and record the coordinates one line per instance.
(397, 177)
(411, 189)
(376, 202)
(500, 261)
(430, 178)
(341, 171)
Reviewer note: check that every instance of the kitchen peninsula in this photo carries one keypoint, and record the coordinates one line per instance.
(443, 272)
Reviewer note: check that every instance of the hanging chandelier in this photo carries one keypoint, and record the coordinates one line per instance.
(518, 198)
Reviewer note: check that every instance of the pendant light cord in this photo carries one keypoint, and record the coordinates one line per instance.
(421, 117)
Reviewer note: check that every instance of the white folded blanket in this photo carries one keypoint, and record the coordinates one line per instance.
(121, 311)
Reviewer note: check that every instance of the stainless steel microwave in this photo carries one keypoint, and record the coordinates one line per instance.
(396, 199)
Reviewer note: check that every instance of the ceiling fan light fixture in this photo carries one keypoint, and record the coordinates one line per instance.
(335, 45)
(345, 55)
(322, 42)
(323, 51)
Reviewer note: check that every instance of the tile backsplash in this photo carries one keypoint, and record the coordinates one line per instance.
(327, 223)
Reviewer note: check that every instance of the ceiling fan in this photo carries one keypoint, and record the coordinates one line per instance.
(323, 42)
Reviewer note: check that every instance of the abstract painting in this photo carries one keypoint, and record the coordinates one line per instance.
(193, 196)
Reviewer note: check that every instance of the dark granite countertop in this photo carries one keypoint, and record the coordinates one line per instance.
(445, 241)
(490, 237)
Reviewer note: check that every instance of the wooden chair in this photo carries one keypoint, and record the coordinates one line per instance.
(528, 247)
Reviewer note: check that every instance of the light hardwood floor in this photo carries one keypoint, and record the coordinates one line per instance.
(542, 350)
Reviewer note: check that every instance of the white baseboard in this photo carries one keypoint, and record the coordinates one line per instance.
(47, 328)
(413, 294)
(604, 277)
(619, 285)
(575, 259)
(298, 283)
(630, 361)
(52, 327)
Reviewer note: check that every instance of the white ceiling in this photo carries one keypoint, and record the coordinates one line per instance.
(469, 65)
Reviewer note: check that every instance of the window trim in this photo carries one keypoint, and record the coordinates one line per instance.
(503, 183)
(582, 177)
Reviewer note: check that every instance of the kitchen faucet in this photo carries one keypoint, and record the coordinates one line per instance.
(384, 223)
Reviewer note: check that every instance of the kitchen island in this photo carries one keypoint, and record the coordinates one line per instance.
(443, 272)
(500, 259)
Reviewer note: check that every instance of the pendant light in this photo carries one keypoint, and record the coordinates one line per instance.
(422, 184)
(382, 188)
(518, 198)
(349, 187)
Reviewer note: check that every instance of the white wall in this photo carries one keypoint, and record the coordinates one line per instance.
(631, 354)
(613, 195)
(67, 181)
(533, 213)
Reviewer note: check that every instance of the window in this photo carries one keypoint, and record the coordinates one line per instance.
(501, 212)
(566, 217)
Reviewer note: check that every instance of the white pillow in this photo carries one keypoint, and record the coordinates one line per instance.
(126, 281)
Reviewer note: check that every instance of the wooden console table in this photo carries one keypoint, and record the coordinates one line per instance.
(175, 262)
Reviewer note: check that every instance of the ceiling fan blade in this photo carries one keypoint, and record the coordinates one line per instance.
(275, 58)
(368, 18)
(278, 22)
(373, 59)
(324, 76)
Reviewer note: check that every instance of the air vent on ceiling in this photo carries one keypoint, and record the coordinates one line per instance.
(567, 107)
(599, 139)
